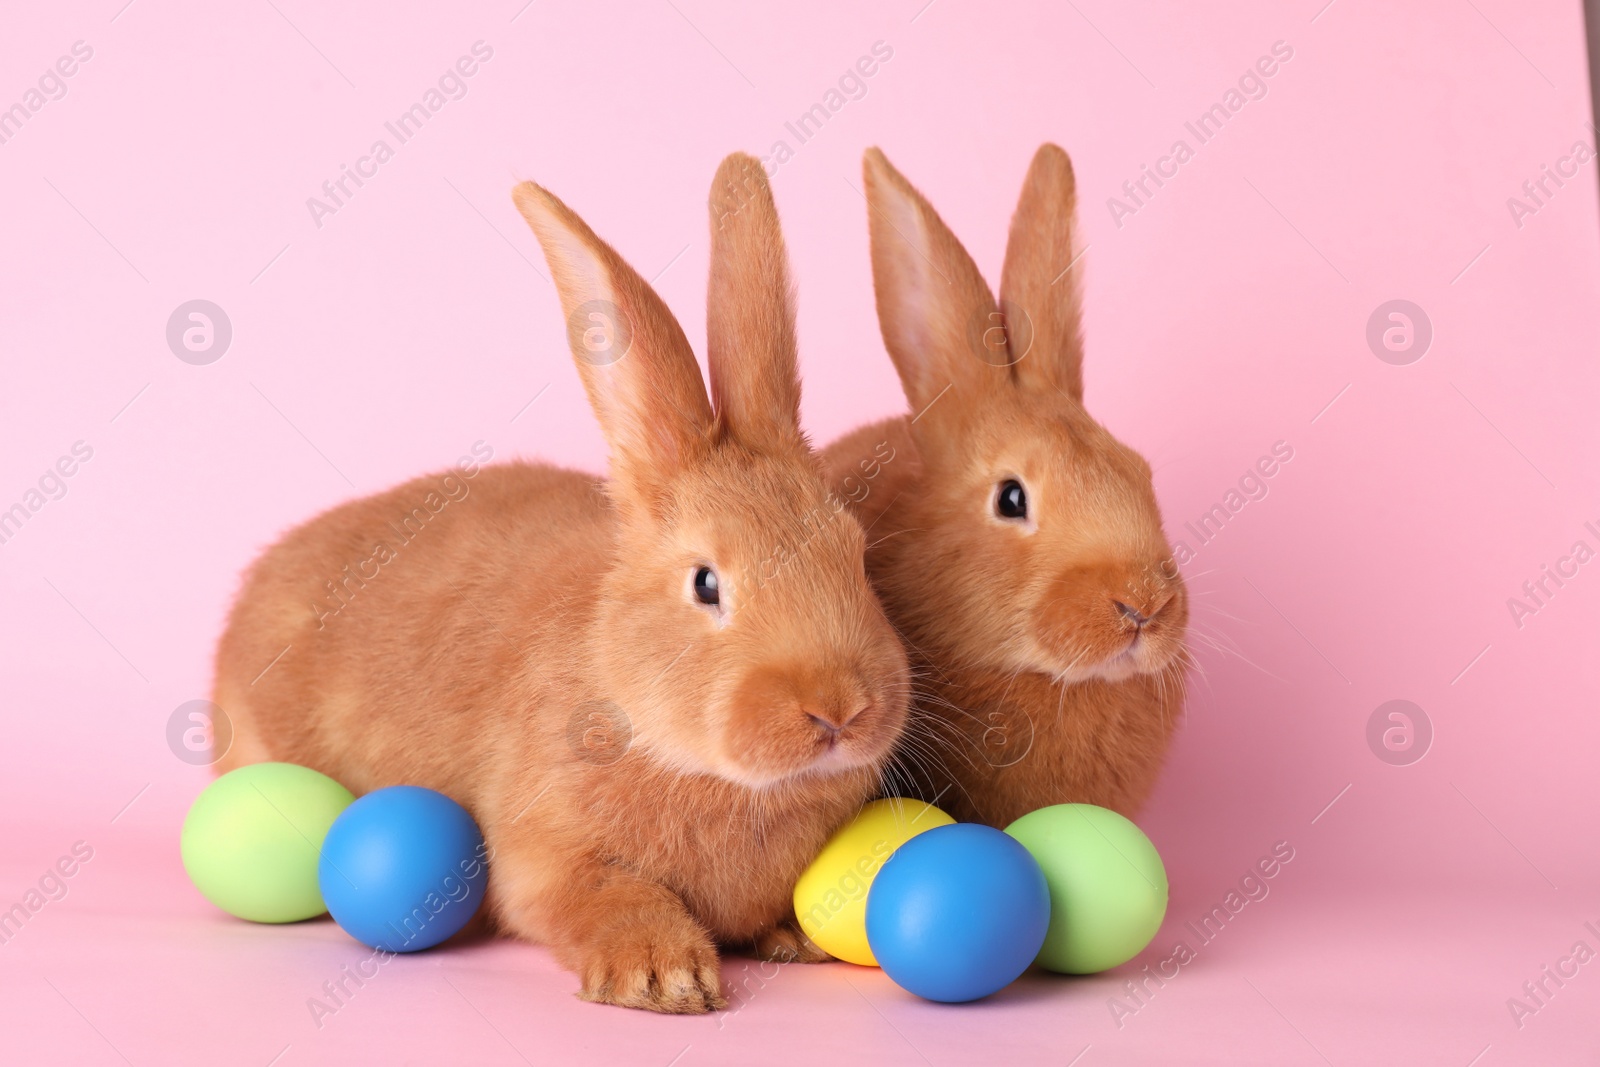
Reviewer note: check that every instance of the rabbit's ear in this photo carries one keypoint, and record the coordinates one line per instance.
(750, 336)
(934, 308)
(636, 364)
(1040, 290)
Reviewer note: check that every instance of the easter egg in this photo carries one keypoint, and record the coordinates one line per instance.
(830, 899)
(958, 913)
(1108, 887)
(403, 868)
(251, 837)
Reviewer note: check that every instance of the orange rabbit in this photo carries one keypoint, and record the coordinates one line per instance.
(1016, 544)
(656, 725)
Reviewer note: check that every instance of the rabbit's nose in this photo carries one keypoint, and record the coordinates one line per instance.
(1141, 615)
(830, 732)
(833, 721)
(1133, 615)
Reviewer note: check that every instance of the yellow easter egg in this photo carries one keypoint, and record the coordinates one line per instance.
(830, 899)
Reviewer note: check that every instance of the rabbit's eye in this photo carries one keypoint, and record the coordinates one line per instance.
(705, 586)
(1011, 502)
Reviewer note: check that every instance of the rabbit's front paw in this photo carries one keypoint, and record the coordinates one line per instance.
(787, 943)
(662, 963)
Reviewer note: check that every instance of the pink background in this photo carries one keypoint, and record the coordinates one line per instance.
(1225, 315)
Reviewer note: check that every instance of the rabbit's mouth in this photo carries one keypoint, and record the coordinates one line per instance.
(830, 760)
(1128, 662)
(1117, 668)
(786, 722)
(1090, 627)
(847, 747)
(1143, 651)
(1100, 610)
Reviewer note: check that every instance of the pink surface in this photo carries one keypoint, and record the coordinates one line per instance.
(1227, 313)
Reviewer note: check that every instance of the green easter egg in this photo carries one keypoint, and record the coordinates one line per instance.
(1108, 888)
(252, 838)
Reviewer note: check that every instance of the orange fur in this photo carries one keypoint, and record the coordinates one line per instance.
(1034, 686)
(480, 660)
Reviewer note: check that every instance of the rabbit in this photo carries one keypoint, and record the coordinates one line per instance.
(657, 695)
(1016, 544)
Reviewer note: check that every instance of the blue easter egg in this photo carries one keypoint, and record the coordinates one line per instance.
(958, 912)
(403, 868)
